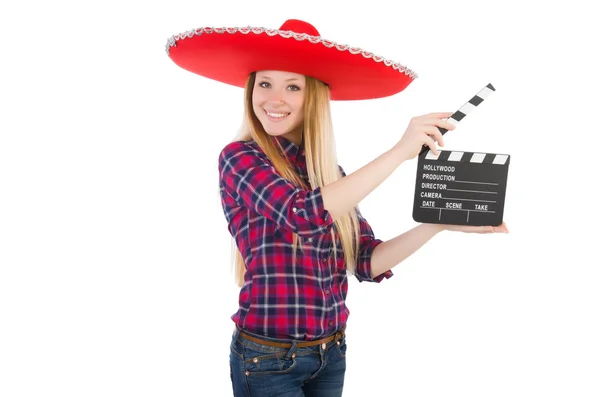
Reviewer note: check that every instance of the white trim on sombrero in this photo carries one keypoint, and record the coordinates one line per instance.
(172, 42)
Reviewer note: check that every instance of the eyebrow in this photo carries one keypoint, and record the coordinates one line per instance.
(290, 79)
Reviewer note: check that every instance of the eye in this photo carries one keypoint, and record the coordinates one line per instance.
(264, 84)
(294, 88)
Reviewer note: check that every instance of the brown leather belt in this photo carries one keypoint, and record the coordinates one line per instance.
(323, 341)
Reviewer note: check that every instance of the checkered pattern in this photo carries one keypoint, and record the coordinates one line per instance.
(468, 157)
(280, 299)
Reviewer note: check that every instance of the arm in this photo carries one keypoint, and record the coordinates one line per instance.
(367, 243)
(390, 253)
(247, 176)
(343, 195)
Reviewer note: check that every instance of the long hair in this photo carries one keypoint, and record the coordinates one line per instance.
(321, 163)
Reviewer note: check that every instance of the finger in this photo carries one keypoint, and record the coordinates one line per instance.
(471, 229)
(447, 125)
(502, 228)
(440, 115)
(438, 123)
(483, 229)
(438, 136)
(434, 116)
(435, 133)
(443, 124)
(431, 143)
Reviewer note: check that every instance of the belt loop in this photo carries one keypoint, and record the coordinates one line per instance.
(340, 334)
(291, 351)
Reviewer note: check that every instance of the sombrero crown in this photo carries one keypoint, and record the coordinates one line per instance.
(229, 55)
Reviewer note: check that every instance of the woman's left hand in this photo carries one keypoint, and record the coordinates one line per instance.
(477, 229)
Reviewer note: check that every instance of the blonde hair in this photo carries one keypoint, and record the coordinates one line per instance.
(321, 164)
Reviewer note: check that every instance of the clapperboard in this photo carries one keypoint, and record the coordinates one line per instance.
(461, 188)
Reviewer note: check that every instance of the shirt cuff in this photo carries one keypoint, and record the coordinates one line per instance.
(363, 270)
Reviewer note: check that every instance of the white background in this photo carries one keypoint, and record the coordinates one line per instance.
(115, 275)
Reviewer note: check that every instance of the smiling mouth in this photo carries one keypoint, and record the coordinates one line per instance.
(276, 116)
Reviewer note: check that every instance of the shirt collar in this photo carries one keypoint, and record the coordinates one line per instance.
(293, 151)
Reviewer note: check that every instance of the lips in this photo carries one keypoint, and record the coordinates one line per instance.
(276, 116)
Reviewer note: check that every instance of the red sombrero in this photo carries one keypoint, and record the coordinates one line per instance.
(229, 55)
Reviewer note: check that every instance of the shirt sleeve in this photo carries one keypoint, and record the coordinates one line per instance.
(367, 244)
(253, 182)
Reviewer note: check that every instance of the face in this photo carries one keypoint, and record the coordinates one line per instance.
(278, 102)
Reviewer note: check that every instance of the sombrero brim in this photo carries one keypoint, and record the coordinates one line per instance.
(229, 55)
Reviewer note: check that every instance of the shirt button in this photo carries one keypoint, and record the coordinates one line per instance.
(323, 346)
(309, 240)
(324, 260)
(294, 209)
(330, 323)
(327, 292)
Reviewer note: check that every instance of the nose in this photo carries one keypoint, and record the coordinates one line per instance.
(277, 101)
(276, 98)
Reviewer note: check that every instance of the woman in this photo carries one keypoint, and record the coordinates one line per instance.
(291, 209)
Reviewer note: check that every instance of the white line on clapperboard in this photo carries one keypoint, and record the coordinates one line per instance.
(464, 199)
(472, 191)
(457, 209)
(481, 183)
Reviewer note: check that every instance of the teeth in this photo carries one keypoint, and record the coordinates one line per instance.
(277, 115)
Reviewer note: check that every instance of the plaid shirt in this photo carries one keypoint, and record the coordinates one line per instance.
(279, 300)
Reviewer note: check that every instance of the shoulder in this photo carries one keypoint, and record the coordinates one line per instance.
(235, 148)
(239, 151)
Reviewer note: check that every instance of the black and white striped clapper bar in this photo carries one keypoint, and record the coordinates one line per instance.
(461, 188)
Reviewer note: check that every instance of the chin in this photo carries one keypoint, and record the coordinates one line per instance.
(277, 131)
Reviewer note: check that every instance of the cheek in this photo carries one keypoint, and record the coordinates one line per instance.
(299, 104)
(300, 111)
(256, 100)
(256, 108)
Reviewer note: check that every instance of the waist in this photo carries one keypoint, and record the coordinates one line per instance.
(295, 325)
(285, 343)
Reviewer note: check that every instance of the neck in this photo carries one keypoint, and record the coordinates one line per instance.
(295, 136)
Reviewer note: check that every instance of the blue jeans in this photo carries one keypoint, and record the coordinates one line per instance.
(264, 371)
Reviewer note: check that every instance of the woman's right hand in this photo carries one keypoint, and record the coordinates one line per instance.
(423, 130)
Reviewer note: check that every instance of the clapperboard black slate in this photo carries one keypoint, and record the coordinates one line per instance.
(461, 188)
